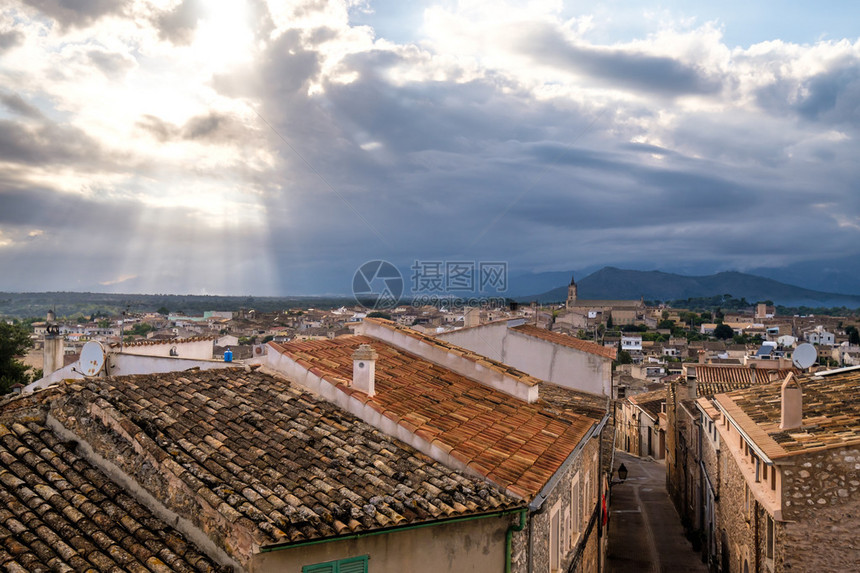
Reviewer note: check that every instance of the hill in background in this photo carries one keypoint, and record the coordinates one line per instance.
(613, 283)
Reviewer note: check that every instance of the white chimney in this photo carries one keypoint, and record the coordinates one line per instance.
(364, 369)
(792, 404)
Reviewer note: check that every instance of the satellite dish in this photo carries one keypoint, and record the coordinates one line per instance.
(92, 358)
(804, 356)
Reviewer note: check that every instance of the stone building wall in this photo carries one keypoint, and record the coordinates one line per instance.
(587, 462)
(821, 506)
(736, 519)
(712, 475)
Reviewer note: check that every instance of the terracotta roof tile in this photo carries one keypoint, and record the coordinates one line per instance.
(566, 340)
(713, 380)
(521, 377)
(831, 413)
(58, 513)
(278, 461)
(478, 425)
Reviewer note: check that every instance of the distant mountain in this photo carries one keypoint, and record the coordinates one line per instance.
(613, 283)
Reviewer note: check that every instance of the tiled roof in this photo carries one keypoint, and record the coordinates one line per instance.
(521, 377)
(258, 453)
(151, 342)
(569, 341)
(650, 402)
(59, 513)
(831, 413)
(517, 445)
(713, 380)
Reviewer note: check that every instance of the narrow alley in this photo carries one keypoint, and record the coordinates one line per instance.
(645, 533)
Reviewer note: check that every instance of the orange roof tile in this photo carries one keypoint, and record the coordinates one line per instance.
(569, 341)
(520, 376)
(517, 445)
(712, 380)
(831, 414)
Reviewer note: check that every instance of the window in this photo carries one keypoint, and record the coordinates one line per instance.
(769, 537)
(349, 565)
(554, 540)
(575, 510)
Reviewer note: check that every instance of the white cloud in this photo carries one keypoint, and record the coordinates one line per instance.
(283, 128)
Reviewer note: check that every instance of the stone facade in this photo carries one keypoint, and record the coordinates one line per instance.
(821, 502)
(576, 521)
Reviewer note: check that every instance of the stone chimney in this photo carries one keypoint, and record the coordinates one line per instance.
(53, 348)
(791, 404)
(364, 369)
(471, 316)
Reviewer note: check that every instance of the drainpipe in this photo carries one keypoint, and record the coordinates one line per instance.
(509, 534)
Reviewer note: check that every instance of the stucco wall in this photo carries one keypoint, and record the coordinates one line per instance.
(198, 349)
(555, 363)
(470, 546)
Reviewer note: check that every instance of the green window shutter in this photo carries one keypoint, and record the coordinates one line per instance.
(350, 565)
(353, 565)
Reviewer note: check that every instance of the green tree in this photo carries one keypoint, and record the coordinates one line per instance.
(163, 311)
(723, 331)
(609, 321)
(853, 334)
(14, 341)
(140, 329)
(378, 314)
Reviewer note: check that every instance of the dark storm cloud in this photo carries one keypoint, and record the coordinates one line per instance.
(46, 144)
(210, 127)
(833, 96)
(10, 39)
(629, 69)
(111, 64)
(77, 13)
(158, 128)
(178, 25)
(16, 104)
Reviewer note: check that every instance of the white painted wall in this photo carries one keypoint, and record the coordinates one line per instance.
(542, 359)
(194, 349)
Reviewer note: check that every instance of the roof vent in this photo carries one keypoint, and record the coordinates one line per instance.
(364, 369)
(792, 404)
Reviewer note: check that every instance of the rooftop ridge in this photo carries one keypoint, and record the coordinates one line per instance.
(507, 378)
(458, 421)
(566, 340)
(149, 342)
(831, 413)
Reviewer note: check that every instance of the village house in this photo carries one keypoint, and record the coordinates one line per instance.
(640, 423)
(537, 441)
(782, 474)
(547, 355)
(255, 474)
(383, 451)
(685, 481)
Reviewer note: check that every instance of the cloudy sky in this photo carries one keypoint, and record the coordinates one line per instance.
(272, 147)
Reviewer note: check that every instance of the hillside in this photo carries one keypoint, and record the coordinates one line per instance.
(613, 283)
